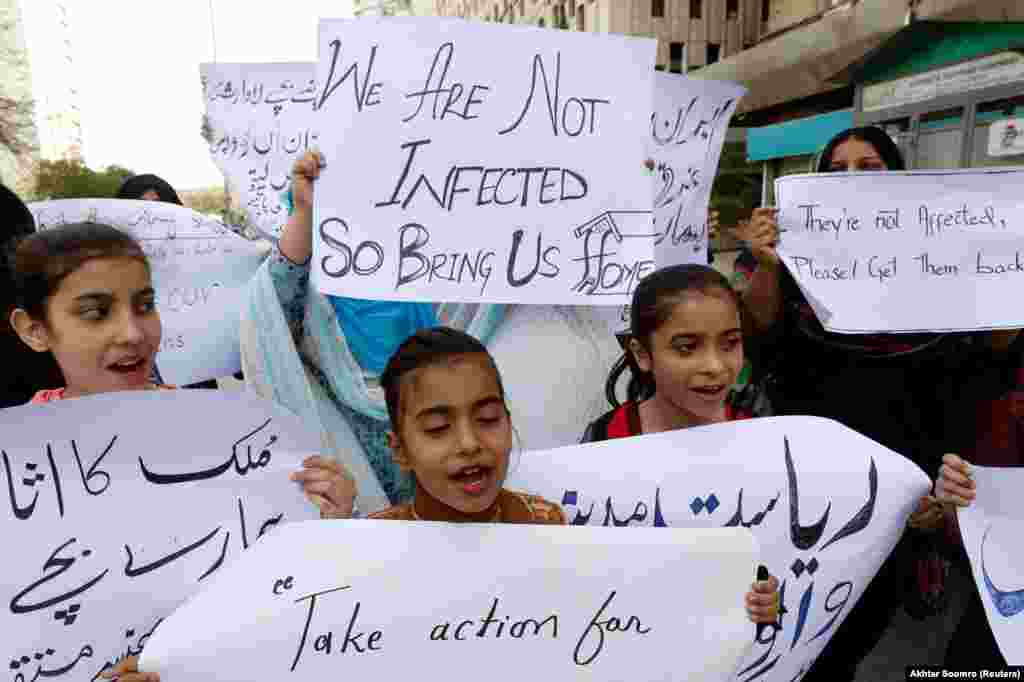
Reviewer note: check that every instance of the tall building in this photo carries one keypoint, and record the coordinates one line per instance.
(19, 139)
(51, 57)
(944, 77)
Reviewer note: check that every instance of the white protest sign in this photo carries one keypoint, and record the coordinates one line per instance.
(455, 176)
(826, 504)
(120, 506)
(200, 272)
(688, 127)
(991, 529)
(686, 134)
(260, 119)
(387, 600)
(906, 252)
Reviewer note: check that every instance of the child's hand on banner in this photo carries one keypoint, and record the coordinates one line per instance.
(128, 671)
(328, 485)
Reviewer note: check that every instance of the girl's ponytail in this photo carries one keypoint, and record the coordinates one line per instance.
(641, 384)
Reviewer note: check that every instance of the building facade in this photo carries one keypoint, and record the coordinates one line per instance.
(691, 33)
(51, 57)
(38, 87)
(19, 139)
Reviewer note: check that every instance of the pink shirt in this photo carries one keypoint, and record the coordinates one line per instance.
(51, 395)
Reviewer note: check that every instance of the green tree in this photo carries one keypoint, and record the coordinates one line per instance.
(72, 179)
(211, 200)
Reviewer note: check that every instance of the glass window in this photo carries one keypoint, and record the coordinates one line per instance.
(676, 52)
(940, 138)
(1010, 138)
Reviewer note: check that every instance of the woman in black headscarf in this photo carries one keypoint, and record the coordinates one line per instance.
(148, 187)
(25, 371)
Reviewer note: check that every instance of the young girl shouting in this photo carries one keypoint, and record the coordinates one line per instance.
(85, 294)
(684, 354)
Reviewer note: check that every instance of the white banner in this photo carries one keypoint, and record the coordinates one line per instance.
(991, 529)
(120, 506)
(825, 503)
(387, 600)
(260, 120)
(906, 252)
(456, 176)
(200, 272)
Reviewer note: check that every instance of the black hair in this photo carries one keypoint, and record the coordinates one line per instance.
(873, 135)
(654, 299)
(25, 371)
(17, 223)
(43, 259)
(137, 185)
(427, 347)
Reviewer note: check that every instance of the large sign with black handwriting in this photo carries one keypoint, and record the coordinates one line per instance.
(200, 271)
(259, 119)
(453, 175)
(991, 529)
(826, 504)
(378, 600)
(120, 506)
(906, 252)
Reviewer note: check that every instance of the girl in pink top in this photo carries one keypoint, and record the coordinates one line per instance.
(85, 294)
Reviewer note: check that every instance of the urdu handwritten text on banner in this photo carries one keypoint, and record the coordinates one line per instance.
(124, 504)
(259, 119)
(824, 524)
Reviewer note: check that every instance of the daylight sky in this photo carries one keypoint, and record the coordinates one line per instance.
(138, 66)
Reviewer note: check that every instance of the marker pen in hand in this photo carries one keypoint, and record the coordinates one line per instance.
(762, 575)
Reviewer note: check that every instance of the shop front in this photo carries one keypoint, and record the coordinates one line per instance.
(950, 94)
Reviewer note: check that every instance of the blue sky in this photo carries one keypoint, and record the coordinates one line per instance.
(138, 65)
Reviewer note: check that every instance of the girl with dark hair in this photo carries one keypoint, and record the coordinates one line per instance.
(684, 353)
(149, 187)
(84, 295)
(85, 298)
(451, 430)
(908, 392)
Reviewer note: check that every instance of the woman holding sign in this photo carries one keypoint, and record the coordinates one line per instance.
(902, 390)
